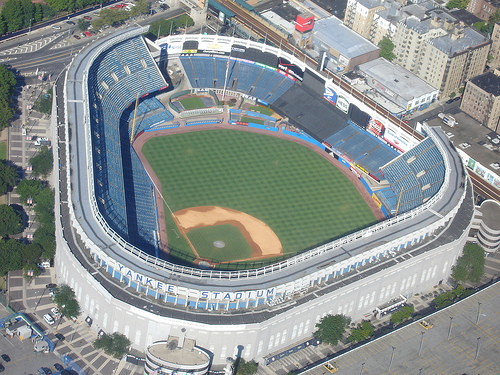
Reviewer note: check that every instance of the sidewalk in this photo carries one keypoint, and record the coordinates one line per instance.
(32, 298)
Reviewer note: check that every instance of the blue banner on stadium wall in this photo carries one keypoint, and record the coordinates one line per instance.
(330, 95)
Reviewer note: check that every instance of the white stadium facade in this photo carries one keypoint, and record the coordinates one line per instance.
(258, 311)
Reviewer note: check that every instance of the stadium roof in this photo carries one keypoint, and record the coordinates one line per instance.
(332, 33)
(399, 80)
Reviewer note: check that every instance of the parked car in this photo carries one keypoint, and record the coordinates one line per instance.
(70, 22)
(76, 37)
(457, 98)
(449, 101)
(58, 366)
(44, 371)
(5, 357)
(88, 18)
(55, 27)
(88, 33)
(48, 318)
(51, 286)
(2, 369)
(60, 336)
(55, 312)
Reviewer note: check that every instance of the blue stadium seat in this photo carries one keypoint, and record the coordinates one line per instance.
(127, 69)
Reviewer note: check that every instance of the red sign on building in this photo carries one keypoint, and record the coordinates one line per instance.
(304, 24)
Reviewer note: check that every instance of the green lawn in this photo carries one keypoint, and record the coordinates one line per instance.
(260, 109)
(302, 197)
(3, 150)
(193, 103)
(236, 247)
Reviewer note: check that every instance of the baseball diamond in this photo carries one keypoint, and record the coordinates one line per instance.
(301, 197)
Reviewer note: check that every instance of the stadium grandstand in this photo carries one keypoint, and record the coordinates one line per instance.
(113, 263)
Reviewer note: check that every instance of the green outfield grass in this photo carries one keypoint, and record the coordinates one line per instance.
(236, 247)
(193, 103)
(302, 197)
(260, 109)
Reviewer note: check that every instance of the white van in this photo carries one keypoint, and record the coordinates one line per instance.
(48, 318)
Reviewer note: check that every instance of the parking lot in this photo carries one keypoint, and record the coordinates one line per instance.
(23, 358)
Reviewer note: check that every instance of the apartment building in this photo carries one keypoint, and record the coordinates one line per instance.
(483, 8)
(495, 47)
(432, 44)
(360, 14)
(481, 99)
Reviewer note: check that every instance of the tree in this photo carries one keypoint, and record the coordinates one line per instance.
(83, 24)
(141, 7)
(469, 266)
(44, 103)
(64, 298)
(7, 85)
(246, 368)
(459, 4)
(116, 344)
(362, 332)
(29, 189)
(386, 48)
(331, 328)
(404, 314)
(10, 255)
(10, 221)
(8, 177)
(71, 308)
(42, 162)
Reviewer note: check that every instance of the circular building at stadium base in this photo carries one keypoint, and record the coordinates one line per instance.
(109, 247)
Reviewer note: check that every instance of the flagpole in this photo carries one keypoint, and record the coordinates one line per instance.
(225, 78)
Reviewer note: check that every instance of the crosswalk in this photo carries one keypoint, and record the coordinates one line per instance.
(32, 46)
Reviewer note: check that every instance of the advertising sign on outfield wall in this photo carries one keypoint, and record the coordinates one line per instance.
(342, 104)
(286, 66)
(330, 95)
(213, 47)
(376, 127)
(396, 139)
(171, 48)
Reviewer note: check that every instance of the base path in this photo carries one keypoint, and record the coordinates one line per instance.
(261, 238)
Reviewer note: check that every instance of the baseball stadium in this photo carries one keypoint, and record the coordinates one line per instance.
(220, 191)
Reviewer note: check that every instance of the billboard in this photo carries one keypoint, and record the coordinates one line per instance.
(172, 48)
(214, 48)
(396, 140)
(293, 70)
(342, 104)
(304, 24)
(330, 95)
(376, 127)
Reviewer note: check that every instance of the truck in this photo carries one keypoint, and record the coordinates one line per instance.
(448, 119)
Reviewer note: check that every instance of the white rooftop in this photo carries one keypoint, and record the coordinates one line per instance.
(332, 33)
(396, 78)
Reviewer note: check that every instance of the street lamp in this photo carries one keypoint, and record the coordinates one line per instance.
(29, 30)
(421, 342)
(449, 330)
(478, 312)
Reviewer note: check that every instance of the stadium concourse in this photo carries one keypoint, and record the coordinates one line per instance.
(107, 249)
